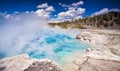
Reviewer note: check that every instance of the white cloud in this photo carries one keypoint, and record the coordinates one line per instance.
(42, 5)
(78, 3)
(63, 5)
(71, 14)
(60, 3)
(7, 16)
(42, 13)
(115, 10)
(27, 12)
(78, 17)
(80, 11)
(44, 10)
(73, 11)
(73, 4)
(50, 9)
(16, 12)
(104, 10)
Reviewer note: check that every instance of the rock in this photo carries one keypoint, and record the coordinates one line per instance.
(103, 39)
(99, 65)
(84, 36)
(2, 68)
(104, 56)
(25, 63)
(43, 66)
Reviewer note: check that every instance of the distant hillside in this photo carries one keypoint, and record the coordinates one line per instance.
(109, 20)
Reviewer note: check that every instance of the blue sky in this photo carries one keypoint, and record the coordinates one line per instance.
(89, 6)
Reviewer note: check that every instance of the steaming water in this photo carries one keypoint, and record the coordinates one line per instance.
(53, 45)
(28, 34)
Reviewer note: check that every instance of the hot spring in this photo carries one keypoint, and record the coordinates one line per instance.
(29, 34)
(53, 45)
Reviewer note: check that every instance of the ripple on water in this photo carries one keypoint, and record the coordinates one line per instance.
(54, 46)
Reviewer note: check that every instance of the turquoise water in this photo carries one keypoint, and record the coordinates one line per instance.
(54, 46)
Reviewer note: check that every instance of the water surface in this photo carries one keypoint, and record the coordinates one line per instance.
(55, 46)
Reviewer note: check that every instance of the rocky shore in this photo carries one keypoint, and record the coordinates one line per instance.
(103, 56)
(25, 63)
